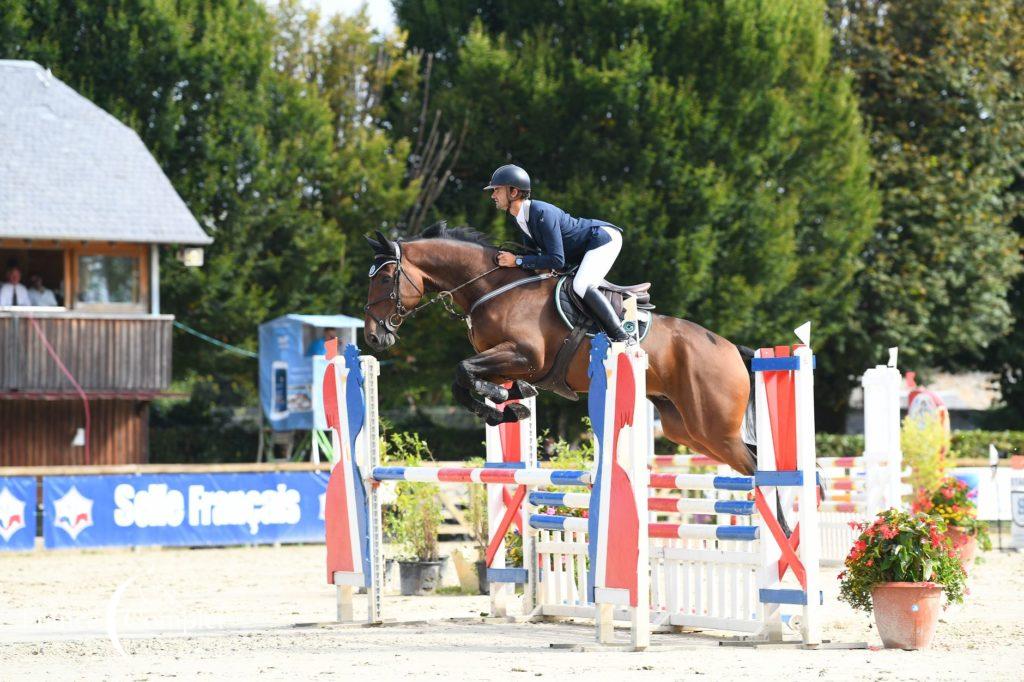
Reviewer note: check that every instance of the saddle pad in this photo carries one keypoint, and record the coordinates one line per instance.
(572, 316)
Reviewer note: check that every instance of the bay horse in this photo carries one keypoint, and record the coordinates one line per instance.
(698, 380)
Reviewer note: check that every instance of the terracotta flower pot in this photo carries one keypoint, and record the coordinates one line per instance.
(906, 613)
(965, 545)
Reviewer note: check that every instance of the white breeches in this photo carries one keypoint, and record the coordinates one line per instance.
(597, 262)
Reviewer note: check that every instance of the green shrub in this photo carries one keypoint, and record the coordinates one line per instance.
(974, 444)
(925, 445)
(839, 445)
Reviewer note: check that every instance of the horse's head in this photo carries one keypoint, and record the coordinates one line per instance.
(396, 286)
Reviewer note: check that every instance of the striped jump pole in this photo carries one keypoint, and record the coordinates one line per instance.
(681, 505)
(657, 530)
(702, 482)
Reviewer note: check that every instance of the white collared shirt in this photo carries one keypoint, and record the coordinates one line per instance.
(523, 216)
(8, 292)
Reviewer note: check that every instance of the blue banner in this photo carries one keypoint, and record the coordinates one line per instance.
(184, 509)
(17, 513)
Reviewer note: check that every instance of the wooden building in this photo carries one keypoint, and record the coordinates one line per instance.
(84, 212)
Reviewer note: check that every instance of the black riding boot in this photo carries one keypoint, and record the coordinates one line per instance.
(605, 315)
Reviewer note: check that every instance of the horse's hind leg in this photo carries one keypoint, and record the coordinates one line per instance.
(731, 451)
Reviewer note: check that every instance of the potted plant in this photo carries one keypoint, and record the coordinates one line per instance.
(951, 501)
(414, 524)
(899, 567)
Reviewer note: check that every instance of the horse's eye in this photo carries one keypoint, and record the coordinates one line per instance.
(385, 279)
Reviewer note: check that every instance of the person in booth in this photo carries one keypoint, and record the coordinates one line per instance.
(12, 291)
(38, 293)
(318, 346)
(562, 242)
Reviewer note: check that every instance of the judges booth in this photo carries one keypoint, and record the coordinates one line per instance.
(291, 348)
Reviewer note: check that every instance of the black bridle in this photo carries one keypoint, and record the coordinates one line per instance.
(394, 320)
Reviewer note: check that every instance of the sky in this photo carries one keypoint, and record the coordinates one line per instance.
(382, 16)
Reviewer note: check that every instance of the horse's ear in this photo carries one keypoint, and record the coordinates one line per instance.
(374, 244)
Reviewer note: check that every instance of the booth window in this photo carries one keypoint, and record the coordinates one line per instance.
(108, 279)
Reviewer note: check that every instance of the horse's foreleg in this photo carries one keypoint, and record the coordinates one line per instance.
(463, 396)
(480, 373)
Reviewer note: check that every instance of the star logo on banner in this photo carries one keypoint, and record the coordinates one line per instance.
(12, 514)
(73, 513)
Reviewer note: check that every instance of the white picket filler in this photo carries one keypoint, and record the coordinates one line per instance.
(858, 488)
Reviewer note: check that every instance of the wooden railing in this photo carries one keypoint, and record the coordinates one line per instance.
(104, 352)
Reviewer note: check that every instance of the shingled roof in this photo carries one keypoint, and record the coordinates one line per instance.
(69, 170)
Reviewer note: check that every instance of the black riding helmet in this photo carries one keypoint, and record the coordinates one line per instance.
(510, 175)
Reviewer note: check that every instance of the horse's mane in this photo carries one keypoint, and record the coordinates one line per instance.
(440, 230)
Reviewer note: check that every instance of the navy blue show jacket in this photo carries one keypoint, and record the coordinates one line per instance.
(561, 239)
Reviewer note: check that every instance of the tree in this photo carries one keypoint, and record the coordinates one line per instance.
(939, 84)
(719, 135)
(269, 127)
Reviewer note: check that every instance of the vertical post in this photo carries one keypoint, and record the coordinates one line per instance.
(642, 451)
(770, 553)
(810, 535)
(618, 537)
(368, 457)
(345, 593)
(883, 457)
(154, 280)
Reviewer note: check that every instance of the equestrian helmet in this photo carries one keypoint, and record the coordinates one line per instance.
(510, 175)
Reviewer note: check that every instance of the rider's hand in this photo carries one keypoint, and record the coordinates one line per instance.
(506, 259)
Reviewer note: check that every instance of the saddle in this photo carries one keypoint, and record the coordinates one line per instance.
(574, 312)
(577, 318)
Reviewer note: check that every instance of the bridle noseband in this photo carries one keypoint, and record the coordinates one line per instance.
(395, 319)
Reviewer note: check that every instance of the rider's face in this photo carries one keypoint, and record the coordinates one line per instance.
(500, 197)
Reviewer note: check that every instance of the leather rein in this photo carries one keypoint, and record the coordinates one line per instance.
(395, 319)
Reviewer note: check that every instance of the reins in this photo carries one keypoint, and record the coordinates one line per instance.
(395, 319)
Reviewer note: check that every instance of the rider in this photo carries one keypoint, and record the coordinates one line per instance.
(561, 241)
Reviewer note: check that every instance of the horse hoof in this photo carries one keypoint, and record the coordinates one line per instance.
(521, 390)
(515, 412)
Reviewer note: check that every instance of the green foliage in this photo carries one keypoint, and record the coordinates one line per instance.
(200, 429)
(270, 127)
(974, 444)
(719, 136)
(415, 518)
(925, 445)
(951, 501)
(939, 86)
(476, 513)
(838, 445)
(901, 547)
